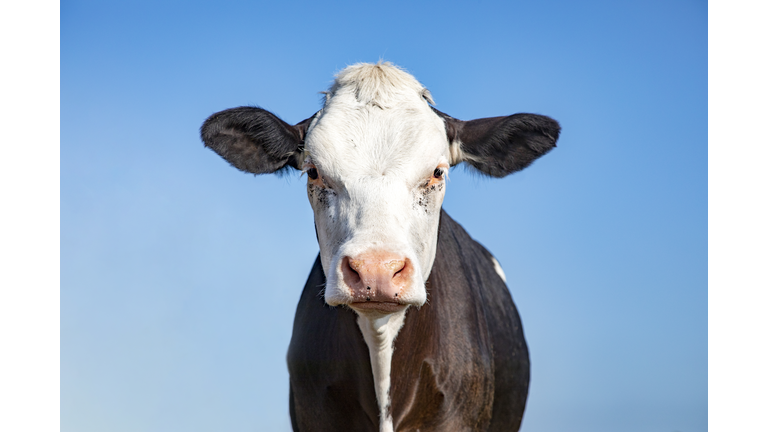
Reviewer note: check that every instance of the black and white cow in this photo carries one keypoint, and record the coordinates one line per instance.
(405, 322)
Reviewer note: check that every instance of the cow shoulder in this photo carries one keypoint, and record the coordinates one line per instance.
(510, 351)
(449, 351)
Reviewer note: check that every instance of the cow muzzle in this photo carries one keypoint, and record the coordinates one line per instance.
(378, 281)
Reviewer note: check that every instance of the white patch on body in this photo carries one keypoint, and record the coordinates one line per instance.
(499, 270)
(379, 332)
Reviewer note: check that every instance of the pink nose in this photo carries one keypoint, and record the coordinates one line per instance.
(377, 277)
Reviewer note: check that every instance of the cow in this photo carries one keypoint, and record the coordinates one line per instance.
(405, 322)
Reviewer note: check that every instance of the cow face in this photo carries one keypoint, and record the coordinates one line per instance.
(376, 161)
(376, 157)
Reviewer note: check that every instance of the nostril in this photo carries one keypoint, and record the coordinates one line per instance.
(399, 267)
(351, 276)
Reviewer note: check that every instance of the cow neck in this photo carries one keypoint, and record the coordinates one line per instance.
(379, 334)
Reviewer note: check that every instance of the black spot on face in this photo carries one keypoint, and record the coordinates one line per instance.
(320, 195)
(426, 196)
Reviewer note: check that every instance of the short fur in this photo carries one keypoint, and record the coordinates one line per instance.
(254, 140)
(499, 146)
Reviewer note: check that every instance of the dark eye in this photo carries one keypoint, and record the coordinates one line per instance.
(438, 172)
(312, 173)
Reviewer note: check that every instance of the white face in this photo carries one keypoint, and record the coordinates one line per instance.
(376, 166)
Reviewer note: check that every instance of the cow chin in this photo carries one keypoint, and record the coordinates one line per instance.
(375, 283)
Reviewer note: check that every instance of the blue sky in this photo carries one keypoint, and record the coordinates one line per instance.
(180, 275)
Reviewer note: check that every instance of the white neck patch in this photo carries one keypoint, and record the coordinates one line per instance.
(379, 334)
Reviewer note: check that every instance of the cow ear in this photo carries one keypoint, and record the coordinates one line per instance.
(499, 146)
(255, 140)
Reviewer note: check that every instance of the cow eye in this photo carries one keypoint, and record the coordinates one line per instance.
(312, 173)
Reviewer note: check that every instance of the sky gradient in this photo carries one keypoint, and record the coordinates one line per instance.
(180, 275)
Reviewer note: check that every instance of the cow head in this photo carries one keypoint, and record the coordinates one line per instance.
(376, 158)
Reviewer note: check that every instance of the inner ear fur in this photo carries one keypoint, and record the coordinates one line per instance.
(499, 146)
(254, 140)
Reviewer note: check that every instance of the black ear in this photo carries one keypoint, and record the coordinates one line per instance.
(254, 140)
(499, 146)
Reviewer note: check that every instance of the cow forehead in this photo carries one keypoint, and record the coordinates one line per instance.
(351, 141)
(376, 121)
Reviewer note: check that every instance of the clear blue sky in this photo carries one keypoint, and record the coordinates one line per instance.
(180, 275)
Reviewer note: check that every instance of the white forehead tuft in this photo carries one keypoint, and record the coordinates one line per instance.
(382, 84)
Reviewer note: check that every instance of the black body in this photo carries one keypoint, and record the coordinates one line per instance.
(460, 361)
